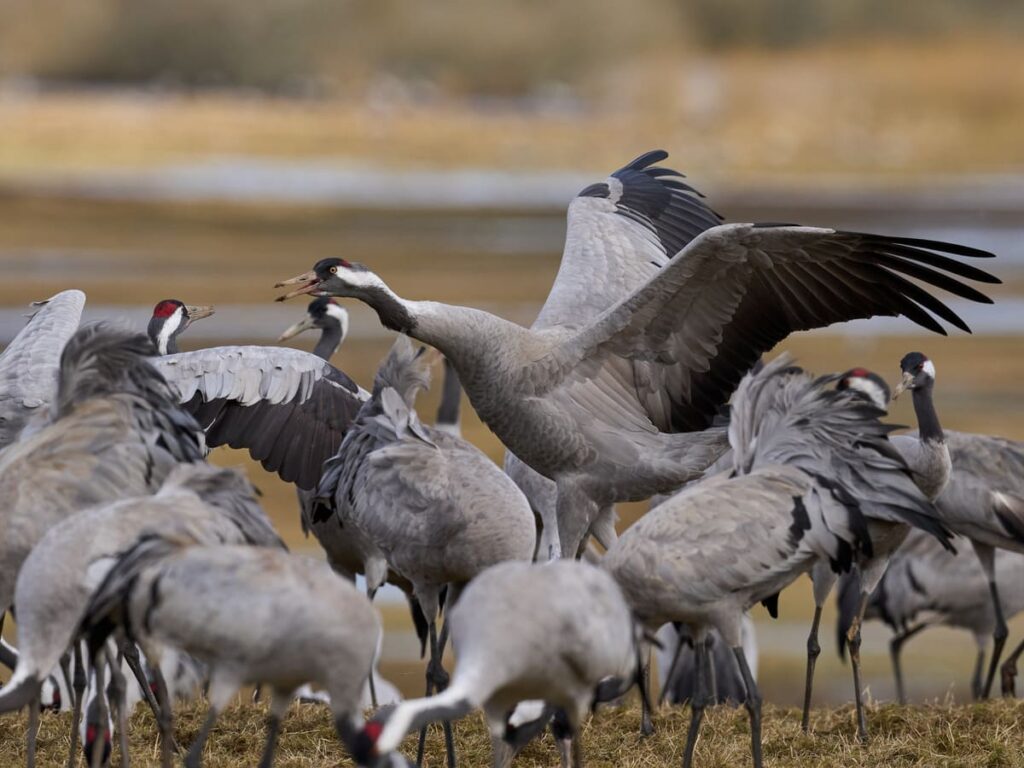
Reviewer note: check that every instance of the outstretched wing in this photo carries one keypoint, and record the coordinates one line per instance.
(619, 233)
(28, 367)
(736, 291)
(290, 409)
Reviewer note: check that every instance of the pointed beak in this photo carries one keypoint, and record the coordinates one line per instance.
(308, 280)
(198, 313)
(304, 324)
(905, 384)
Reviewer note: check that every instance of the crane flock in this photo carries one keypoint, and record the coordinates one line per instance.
(123, 547)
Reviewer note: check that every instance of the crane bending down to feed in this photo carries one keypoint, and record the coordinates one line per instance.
(925, 585)
(253, 615)
(810, 465)
(612, 399)
(576, 645)
(55, 582)
(436, 508)
(984, 498)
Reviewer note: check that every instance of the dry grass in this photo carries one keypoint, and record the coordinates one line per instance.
(888, 108)
(986, 734)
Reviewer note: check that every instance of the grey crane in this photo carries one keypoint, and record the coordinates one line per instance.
(115, 430)
(642, 342)
(29, 364)
(984, 499)
(576, 644)
(57, 577)
(170, 319)
(436, 509)
(811, 467)
(252, 615)
(926, 454)
(925, 585)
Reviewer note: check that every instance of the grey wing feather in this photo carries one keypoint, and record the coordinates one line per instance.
(29, 365)
(737, 290)
(290, 409)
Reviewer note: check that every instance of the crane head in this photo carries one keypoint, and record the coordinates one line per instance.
(918, 373)
(331, 277)
(170, 318)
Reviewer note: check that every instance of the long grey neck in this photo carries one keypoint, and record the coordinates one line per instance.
(927, 419)
(330, 340)
(394, 313)
(451, 397)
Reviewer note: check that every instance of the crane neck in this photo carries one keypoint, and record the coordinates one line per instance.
(394, 312)
(928, 424)
(451, 397)
(451, 704)
(329, 342)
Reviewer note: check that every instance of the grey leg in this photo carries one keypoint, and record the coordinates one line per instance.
(753, 704)
(130, 651)
(79, 684)
(853, 639)
(195, 754)
(1009, 672)
(979, 668)
(987, 558)
(33, 731)
(437, 679)
(118, 689)
(98, 744)
(672, 678)
(164, 715)
(895, 647)
(813, 651)
(646, 726)
(697, 701)
(273, 727)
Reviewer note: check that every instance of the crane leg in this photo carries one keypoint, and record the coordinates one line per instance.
(813, 651)
(437, 679)
(853, 640)
(752, 703)
(672, 678)
(33, 730)
(1009, 672)
(979, 668)
(278, 706)
(697, 701)
(78, 682)
(102, 716)
(895, 648)
(118, 688)
(646, 726)
(998, 639)
(194, 757)
(130, 651)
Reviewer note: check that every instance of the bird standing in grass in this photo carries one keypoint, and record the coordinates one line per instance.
(810, 465)
(252, 615)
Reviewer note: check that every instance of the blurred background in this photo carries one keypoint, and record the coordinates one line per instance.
(204, 149)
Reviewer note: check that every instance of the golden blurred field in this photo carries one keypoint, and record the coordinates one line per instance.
(881, 108)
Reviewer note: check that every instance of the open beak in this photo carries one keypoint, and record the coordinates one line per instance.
(908, 379)
(304, 324)
(197, 313)
(308, 280)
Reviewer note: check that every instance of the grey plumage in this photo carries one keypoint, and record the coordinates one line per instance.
(608, 397)
(115, 430)
(810, 464)
(252, 614)
(57, 577)
(288, 408)
(28, 366)
(926, 585)
(577, 633)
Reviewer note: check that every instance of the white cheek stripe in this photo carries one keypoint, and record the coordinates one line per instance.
(928, 367)
(169, 326)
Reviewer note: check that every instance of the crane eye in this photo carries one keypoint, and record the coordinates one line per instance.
(334, 270)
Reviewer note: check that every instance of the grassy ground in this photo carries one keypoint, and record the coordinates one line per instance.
(986, 734)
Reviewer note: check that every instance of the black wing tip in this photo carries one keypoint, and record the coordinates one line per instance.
(646, 159)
